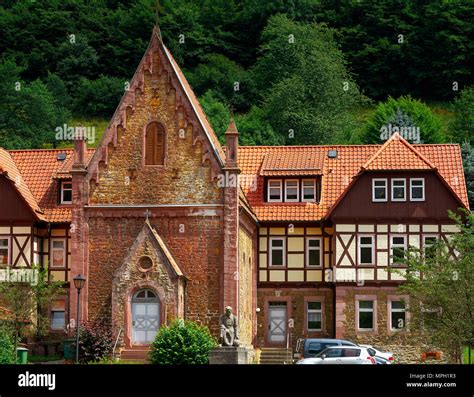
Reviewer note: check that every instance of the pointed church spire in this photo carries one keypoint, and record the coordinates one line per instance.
(156, 28)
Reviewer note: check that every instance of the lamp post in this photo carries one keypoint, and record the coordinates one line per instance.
(79, 282)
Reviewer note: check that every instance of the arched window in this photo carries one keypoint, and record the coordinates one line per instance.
(154, 144)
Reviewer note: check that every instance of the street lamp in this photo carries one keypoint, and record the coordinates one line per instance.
(79, 282)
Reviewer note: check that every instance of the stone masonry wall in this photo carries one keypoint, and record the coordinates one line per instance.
(245, 287)
(197, 251)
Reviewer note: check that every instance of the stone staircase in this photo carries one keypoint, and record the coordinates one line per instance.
(275, 355)
(135, 354)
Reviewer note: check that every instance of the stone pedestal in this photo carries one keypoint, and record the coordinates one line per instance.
(230, 355)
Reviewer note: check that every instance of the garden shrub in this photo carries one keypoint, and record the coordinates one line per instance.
(95, 342)
(183, 342)
(7, 349)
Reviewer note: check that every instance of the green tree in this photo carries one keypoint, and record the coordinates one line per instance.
(462, 126)
(29, 113)
(441, 301)
(312, 94)
(183, 342)
(410, 117)
(27, 300)
(217, 113)
(467, 151)
(98, 97)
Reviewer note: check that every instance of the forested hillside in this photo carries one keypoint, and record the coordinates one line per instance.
(293, 71)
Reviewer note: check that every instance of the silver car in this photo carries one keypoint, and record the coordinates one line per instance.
(341, 355)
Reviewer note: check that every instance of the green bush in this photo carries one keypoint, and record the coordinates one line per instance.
(7, 349)
(183, 342)
(403, 113)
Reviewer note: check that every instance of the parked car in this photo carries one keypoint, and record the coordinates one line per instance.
(313, 346)
(341, 355)
(381, 360)
(380, 353)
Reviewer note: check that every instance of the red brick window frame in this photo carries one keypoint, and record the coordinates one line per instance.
(154, 144)
(397, 298)
(359, 298)
(321, 300)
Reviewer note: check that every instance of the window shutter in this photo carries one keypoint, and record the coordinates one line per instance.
(155, 144)
(150, 145)
(160, 146)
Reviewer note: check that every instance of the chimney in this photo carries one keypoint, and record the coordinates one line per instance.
(79, 150)
(232, 145)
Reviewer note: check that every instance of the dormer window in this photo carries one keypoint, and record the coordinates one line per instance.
(309, 190)
(292, 190)
(417, 189)
(66, 193)
(275, 190)
(379, 190)
(399, 190)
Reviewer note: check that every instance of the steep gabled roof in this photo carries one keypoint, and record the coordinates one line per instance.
(397, 154)
(128, 100)
(338, 173)
(11, 171)
(39, 169)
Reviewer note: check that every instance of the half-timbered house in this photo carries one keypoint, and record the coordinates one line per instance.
(166, 223)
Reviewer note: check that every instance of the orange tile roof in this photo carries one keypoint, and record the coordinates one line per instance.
(397, 154)
(39, 169)
(11, 171)
(338, 172)
(296, 161)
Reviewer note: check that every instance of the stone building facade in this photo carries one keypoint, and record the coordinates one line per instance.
(166, 223)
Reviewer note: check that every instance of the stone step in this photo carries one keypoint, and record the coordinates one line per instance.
(134, 354)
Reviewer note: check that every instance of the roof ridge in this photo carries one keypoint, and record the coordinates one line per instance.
(396, 137)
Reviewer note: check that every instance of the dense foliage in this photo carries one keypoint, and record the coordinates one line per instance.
(443, 298)
(74, 57)
(411, 118)
(462, 127)
(467, 151)
(183, 342)
(7, 348)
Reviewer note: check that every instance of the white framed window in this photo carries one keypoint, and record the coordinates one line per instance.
(58, 252)
(417, 189)
(397, 315)
(58, 319)
(292, 190)
(277, 251)
(398, 246)
(308, 190)
(314, 316)
(4, 251)
(399, 189)
(365, 320)
(379, 190)
(366, 250)
(275, 190)
(66, 192)
(314, 251)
